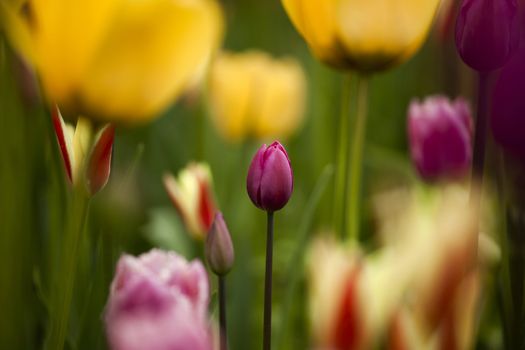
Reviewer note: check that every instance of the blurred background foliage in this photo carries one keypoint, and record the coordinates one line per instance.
(134, 213)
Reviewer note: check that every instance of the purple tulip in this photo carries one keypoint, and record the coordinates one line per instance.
(270, 178)
(487, 33)
(440, 137)
(158, 301)
(219, 247)
(508, 107)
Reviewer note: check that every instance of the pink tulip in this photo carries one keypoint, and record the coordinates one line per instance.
(158, 301)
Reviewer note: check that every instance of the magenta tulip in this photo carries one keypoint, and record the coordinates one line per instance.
(439, 132)
(270, 178)
(487, 33)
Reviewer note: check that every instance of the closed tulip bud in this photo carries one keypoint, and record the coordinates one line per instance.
(270, 178)
(158, 301)
(439, 132)
(487, 33)
(87, 159)
(191, 194)
(219, 247)
(367, 35)
(508, 107)
(255, 95)
(136, 58)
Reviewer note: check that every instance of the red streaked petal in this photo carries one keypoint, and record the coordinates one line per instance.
(206, 206)
(100, 160)
(59, 126)
(348, 328)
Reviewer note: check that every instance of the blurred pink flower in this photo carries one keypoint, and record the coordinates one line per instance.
(158, 301)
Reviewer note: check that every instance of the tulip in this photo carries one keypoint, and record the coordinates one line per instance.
(508, 107)
(134, 60)
(367, 35)
(440, 137)
(253, 94)
(487, 33)
(191, 194)
(219, 247)
(270, 185)
(270, 178)
(87, 158)
(158, 301)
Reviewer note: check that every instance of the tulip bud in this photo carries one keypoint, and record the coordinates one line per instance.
(191, 194)
(487, 33)
(219, 247)
(86, 159)
(270, 178)
(440, 137)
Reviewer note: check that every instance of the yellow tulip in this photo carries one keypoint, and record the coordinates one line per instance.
(122, 60)
(367, 35)
(253, 94)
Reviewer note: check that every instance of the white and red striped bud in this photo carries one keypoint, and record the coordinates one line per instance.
(191, 194)
(87, 158)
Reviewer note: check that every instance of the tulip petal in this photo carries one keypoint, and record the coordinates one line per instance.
(276, 178)
(230, 93)
(64, 142)
(152, 51)
(281, 101)
(377, 34)
(66, 36)
(255, 173)
(316, 22)
(99, 165)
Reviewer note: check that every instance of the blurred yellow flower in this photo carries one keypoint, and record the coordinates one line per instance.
(122, 60)
(367, 35)
(253, 94)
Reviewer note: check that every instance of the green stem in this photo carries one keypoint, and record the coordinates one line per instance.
(341, 175)
(267, 331)
(64, 289)
(222, 314)
(356, 159)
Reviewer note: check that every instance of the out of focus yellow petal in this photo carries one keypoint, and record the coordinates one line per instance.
(253, 94)
(66, 35)
(230, 94)
(378, 33)
(282, 100)
(316, 21)
(150, 54)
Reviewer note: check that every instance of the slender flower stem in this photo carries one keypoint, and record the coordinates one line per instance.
(356, 159)
(341, 175)
(64, 290)
(267, 333)
(480, 137)
(222, 313)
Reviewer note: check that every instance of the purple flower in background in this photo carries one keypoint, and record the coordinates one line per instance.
(508, 106)
(439, 132)
(270, 178)
(158, 301)
(487, 33)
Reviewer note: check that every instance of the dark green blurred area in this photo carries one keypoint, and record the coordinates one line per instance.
(134, 213)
